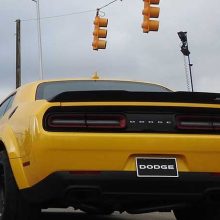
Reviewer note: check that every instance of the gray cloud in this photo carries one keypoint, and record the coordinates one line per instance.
(130, 54)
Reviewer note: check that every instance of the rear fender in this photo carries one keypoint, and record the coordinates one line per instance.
(9, 143)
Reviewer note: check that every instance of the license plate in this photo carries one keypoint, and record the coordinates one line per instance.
(156, 167)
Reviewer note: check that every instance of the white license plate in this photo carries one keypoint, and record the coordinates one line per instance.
(156, 167)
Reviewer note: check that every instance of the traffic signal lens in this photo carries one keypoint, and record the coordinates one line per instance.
(101, 22)
(154, 25)
(156, 2)
(99, 44)
(152, 12)
(102, 33)
(150, 25)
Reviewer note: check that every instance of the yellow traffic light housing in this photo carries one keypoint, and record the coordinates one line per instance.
(150, 12)
(99, 33)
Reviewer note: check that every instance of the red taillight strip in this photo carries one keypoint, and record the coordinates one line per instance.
(190, 122)
(85, 121)
(105, 121)
(66, 120)
(216, 125)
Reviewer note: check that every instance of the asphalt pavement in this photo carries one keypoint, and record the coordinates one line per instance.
(76, 215)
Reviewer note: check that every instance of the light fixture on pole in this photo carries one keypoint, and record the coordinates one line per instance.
(185, 51)
(39, 39)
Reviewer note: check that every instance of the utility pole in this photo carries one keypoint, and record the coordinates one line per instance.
(18, 53)
(185, 51)
(39, 39)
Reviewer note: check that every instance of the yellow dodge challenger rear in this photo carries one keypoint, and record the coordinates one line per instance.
(106, 145)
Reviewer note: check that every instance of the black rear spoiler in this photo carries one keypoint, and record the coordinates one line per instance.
(126, 96)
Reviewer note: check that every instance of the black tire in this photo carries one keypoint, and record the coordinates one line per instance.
(12, 205)
(196, 212)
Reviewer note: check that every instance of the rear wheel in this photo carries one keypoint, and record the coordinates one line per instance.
(12, 205)
(197, 212)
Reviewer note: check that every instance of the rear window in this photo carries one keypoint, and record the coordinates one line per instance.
(49, 90)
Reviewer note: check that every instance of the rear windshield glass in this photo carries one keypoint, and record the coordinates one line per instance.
(49, 90)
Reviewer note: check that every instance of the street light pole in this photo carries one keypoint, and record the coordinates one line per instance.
(39, 39)
(190, 72)
(185, 50)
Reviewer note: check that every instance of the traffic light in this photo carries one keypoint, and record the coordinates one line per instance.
(99, 33)
(150, 12)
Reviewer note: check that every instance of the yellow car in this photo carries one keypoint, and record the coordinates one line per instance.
(109, 145)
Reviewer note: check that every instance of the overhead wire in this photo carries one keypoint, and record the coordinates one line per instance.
(71, 14)
(108, 4)
(62, 15)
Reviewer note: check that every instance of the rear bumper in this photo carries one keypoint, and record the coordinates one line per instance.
(121, 189)
(52, 152)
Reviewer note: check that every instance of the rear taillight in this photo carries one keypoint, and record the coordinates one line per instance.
(105, 121)
(66, 121)
(193, 122)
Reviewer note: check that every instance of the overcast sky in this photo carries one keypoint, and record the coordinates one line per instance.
(130, 54)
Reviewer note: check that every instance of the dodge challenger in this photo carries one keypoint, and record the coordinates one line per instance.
(109, 145)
